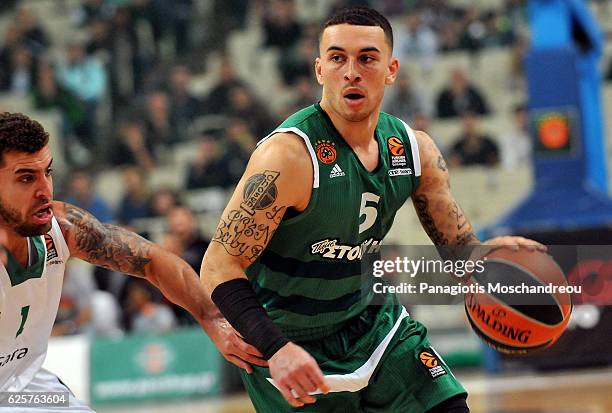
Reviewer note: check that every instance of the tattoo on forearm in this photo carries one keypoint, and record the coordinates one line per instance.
(421, 205)
(239, 232)
(106, 245)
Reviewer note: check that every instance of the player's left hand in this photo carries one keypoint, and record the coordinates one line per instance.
(232, 345)
(515, 243)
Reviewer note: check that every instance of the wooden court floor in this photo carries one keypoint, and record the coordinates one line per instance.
(566, 392)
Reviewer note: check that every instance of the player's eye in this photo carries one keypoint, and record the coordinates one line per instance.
(336, 58)
(49, 172)
(366, 59)
(26, 178)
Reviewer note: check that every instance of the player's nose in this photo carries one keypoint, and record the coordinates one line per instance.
(352, 73)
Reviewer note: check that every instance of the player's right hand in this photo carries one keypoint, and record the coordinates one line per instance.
(297, 374)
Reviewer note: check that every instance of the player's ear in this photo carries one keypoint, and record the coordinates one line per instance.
(317, 65)
(392, 71)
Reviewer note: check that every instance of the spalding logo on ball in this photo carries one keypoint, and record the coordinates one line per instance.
(512, 311)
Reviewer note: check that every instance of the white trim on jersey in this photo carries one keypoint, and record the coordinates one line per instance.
(414, 146)
(301, 134)
(360, 378)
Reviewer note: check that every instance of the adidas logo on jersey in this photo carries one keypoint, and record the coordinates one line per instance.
(336, 172)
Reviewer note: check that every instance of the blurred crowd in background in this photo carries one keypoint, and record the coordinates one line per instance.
(124, 90)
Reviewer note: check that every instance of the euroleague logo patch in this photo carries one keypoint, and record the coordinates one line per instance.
(397, 152)
(432, 363)
(326, 152)
(396, 147)
(51, 251)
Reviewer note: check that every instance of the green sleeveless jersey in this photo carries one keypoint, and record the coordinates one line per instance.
(309, 278)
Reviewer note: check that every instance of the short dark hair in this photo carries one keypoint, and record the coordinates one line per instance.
(360, 16)
(19, 133)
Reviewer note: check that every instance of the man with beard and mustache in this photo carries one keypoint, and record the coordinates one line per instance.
(38, 235)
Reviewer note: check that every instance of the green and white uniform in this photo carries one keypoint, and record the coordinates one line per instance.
(29, 298)
(311, 281)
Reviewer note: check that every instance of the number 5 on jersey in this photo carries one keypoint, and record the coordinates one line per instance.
(370, 212)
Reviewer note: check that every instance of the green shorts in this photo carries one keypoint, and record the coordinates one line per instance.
(380, 361)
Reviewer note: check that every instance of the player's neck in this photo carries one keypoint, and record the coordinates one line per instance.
(17, 245)
(356, 134)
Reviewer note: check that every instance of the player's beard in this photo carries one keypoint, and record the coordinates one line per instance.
(12, 220)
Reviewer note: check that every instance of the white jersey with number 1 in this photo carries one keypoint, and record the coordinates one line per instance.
(29, 298)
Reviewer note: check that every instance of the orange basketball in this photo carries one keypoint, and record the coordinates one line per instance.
(520, 302)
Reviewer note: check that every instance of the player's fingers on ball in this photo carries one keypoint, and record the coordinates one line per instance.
(240, 363)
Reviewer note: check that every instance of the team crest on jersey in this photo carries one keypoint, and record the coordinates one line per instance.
(329, 248)
(397, 152)
(51, 250)
(326, 151)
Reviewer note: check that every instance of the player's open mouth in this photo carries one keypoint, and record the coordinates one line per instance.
(43, 215)
(354, 98)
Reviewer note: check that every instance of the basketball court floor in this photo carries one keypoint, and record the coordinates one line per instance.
(588, 391)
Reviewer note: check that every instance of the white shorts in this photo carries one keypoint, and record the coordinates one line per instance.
(45, 381)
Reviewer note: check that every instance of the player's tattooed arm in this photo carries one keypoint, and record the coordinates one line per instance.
(105, 245)
(440, 214)
(246, 230)
(279, 177)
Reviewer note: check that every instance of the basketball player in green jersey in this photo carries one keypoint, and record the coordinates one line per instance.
(321, 190)
(37, 237)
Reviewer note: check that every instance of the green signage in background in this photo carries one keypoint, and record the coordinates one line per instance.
(137, 368)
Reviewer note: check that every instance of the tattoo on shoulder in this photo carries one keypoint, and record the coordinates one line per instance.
(106, 245)
(239, 232)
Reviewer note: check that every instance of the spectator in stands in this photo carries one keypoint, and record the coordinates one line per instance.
(160, 128)
(33, 35)
(243, 105)
(472, 147)
(280, 27)
(298, 62)
(472, 36)
(84, 76)
(417, 42)
(609, 75)
(82, 194)
(133, 146)
(19, 75)
(99, 42)
(183, 224)
(126, 59)
(517, 59)
(10, 41)
(145, 314)
(460, 97)
(162, 201)
(209, 169)
(498, 30)
(47, 94)
(185, 106)
(403, 100)
(240, 143)
(516, 141)
(135, 201)
(219, 97)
